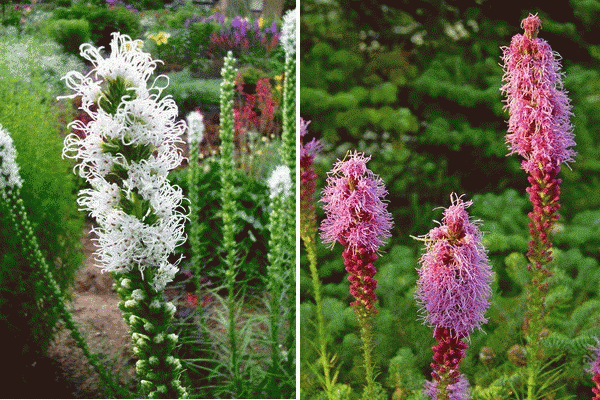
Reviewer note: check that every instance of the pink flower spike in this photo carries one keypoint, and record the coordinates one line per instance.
(356, 215)
(539, 108)
(454, 278)
(594, 369)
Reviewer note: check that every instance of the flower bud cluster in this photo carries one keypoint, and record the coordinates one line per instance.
(127, 149)
(288, 33)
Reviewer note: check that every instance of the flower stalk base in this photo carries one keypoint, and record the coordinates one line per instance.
(149, 318)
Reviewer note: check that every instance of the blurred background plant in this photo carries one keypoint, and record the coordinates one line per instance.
(29, 112)
(416, 84)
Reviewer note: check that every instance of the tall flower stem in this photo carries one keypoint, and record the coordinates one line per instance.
(280, 262)
(308, 232)
(12, 203)
(228, 207)
(195, 133)
(288, 150)
(357, 217)
(540, 131)
(125, 152)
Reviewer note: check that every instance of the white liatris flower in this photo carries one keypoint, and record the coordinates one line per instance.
(288, 32)
(195, 122)
(125, 153)
(9, 170)
(280, 182)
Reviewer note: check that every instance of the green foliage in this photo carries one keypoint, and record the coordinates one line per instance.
(102, 20)
(187, 47)
(190, 93)
(49, 196)
(404, 376)
(252, 221)
(70, 33)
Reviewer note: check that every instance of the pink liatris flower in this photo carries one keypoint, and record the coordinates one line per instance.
(539, 126)
(356, 217)
(308, 151)
(595, 370)
(453, 291)
(540, 131)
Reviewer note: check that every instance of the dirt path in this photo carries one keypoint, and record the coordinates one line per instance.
(95, 310)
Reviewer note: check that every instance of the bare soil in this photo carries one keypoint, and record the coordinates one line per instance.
(94, 307)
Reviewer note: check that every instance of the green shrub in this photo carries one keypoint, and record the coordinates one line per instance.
(252, 222)
(71, 33)
(49, 196)
(190, 93)
(103, 21)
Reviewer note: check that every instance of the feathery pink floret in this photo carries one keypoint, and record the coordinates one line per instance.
(356, 216)
(594, 369)
(539, 126)
(310, 149)
(461, 390)
(455, 276)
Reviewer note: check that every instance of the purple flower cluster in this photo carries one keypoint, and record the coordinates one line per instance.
(539, 127)
(240, 30)
(460, 390)
(356, 215)
(112, 3)
(455, 276)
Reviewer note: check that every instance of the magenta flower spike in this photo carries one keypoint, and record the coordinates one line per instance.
(540, 131)
(595, 370)
(308, 151)
(539, 127)
(358, 219)
(453, 291)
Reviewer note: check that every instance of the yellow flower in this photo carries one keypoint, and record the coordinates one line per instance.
(261, 22)
(160, 37)
(278, 80)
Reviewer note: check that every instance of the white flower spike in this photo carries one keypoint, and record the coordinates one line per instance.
(9, 170)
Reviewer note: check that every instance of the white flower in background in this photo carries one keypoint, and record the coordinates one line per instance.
(288, 32)
(9, 170)
(127, 149)
(195, 122)
(280, 182)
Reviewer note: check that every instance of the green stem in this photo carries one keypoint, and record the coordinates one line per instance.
(18, 215)
(229, 207)
(275, 277)
(288, 149)
(311, 249)
(365, 321)
(149, 319)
